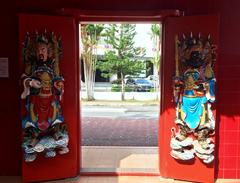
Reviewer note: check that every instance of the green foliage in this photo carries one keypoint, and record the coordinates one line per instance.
(129, 88)
(152, 89)
(117, 81)
(156, 60)
(117, 88)
(155, 35)
(155, 30)
(90, 35)
(94, 32)
(124, 58)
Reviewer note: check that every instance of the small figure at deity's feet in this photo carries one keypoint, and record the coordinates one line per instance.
(206, 143)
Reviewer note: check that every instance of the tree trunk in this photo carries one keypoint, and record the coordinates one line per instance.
(89, 76)
(89, 63)
(122, 87)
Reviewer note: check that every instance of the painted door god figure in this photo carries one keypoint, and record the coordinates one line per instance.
(44, 129)
(194, 84)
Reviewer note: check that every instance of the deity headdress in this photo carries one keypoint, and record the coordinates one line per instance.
(32, 40)
(195, 52)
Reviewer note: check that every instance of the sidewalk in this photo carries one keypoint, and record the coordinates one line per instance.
(129, 96)
(120, 159)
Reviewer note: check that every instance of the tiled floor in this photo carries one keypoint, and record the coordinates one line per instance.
(123, 159)
(123, 179)
(120, 179)
(120, 159)
(134, 179)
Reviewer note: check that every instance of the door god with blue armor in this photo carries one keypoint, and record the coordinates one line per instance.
(194, 93)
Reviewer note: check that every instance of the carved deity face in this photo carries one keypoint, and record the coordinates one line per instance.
(42, 52)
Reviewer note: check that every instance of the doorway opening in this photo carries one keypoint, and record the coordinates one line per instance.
(120, 93)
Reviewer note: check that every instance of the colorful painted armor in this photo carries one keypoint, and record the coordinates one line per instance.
(194, 85)
(44, 129)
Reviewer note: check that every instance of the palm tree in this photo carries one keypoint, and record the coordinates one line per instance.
(155, 36)
(90, 35)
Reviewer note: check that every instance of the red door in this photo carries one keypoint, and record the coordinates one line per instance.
(169, 167)
(66, 165)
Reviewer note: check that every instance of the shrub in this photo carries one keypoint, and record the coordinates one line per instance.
(129, 88)
(117, 88)
(152, 90)
(117, 81)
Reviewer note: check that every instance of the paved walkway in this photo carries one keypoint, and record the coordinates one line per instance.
(131, 127)
(119, 132)
(120, 159)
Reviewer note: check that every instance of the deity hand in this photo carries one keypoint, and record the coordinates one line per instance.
(35, 83)
(59, 85)
(177, 86)
(199, 87)
(27, 83)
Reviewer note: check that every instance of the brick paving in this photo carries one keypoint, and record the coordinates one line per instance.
(99, 131)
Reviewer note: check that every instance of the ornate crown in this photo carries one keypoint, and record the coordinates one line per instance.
(196, 51)
(32, 40)
(42, 38)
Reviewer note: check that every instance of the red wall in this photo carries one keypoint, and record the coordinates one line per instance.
(189, 6)
(229, 91)
(228, 79)
(10, 124)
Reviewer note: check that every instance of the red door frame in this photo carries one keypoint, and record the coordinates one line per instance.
(121, 16)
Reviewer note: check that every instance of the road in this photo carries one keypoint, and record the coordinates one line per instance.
(120, 126)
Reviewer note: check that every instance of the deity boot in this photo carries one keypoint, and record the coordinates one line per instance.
(29, 145)
(33, 142)
(198, 148)
(181, 134)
